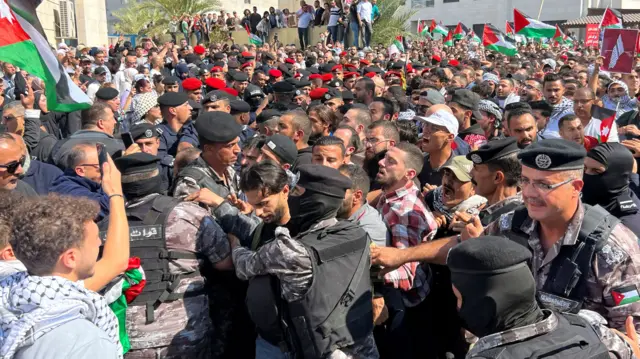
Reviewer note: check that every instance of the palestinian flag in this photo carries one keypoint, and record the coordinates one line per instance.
(474, 37)
(396, 46)
(448, 41)
(420, 27)
(530, 27)
(24, 46)
(423, 30)
(459, 33)
(611, 19)
(494, 39)
(625, 295)
(509, 30)
(607, 118)
(559, 36)
(438, 29)
(253, 38)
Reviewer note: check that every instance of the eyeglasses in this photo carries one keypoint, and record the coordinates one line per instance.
(12, 167)
(541, 187)
(373, 141)
(96, 166)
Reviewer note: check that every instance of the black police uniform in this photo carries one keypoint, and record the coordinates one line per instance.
(170, 139)
(165, 165)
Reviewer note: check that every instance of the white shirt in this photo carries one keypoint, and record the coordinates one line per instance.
(365, 10)
(335, 15)
(304, 18)
(593, 129)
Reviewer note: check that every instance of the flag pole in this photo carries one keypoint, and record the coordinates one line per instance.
(540, 12)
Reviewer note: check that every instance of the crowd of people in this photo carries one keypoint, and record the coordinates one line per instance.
(275, 201)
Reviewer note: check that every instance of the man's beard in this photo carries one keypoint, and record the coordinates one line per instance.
(278, 215)
(345, 208)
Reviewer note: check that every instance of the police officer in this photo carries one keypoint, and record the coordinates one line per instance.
(496, 300)
(322, 275)
(171, 238)
(171, 84)
(147, 137)
(240, 111)
(495, 174)
(193, 87)
(217, 100)
(608, 167)
(176, 112)
(218, 133)
(283, 93)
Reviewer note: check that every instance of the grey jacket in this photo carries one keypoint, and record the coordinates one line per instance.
(371, 221)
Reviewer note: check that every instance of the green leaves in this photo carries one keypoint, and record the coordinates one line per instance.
(394, 20)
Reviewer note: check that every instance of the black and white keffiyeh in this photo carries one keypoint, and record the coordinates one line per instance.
(32, 306)
(490, 107)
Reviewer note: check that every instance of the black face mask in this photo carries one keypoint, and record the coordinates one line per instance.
(372, 166)
(139, 189)
(604, 189)
(309, 209)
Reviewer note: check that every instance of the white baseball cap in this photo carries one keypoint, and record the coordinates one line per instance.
(442, 118)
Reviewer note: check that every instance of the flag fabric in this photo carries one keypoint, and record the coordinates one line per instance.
(420, 27)
(459, 33)
(396, 46)
(509, 30)
(530, 27)
(559, 37)
(494, 39)
(448, 41)
(425, 31)
(618, 50)
(607, 118)
(625, 295)
(22, 45)
(611, 19)
(253, 38)
(438, 29)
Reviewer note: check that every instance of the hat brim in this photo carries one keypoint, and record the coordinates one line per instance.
(461, 175)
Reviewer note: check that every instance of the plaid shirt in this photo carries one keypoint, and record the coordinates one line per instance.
(410, 223)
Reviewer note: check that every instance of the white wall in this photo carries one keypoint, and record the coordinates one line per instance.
(91, 22)
(45, 14)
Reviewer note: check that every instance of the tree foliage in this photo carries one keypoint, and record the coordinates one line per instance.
(394, 20)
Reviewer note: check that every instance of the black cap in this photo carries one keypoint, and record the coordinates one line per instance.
(486, 255)
(324, 180)
(107, 93)
(398, 65)
(266, 115)
(99, 70)
(494, 150)
(268, 56)
(283, 87)
(173, 99)
(553, 155)
(217, 126)
(326, 68)
(171, 80)
(239, 76)
(239, 106)
(139, 162)
(332, 93)
(233, 64)
(303, 83)
(253, 91)
(468, 99)
(347, 95)
(283, 147)
(334, 83)
(373, 69)
(312, 70)
(217, 95)
(218, 56)
(143, 130)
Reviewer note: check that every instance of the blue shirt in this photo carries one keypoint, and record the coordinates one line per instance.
(169, 139)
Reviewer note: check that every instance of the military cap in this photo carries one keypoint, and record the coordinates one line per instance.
(215, 84)
(303, 83)
(253, 91)
(486, 255)
(327, 77)
(268, 56)
(365, 62)
(304, 72)
(494, 150)
(275, 73)
(350, 74)
(247, 64)
(398, 65)
(99, 70)
(315, 76)
(247, 55)
(375, 70)
(318, 93)
(468, 99)
(266, 115)
(293, 81)
(216, 95)
(216, 68)
(553, 155)
(347, 95)
(324, 180)
(334, 83)
(200, 50)
(217, 126)
(107, 93)
(173, 99)
(230, 91)
(289, 60)
(313, 70)
(285, 70)
(417, 65)
(218, 56)
(191, 84)
(283, 87)
(283, 147)
(239, 106)
(139, 162)
(233, 64)
(326, 68)
(143, 130)
(336, 68)
(171, 80)
(240, 77)
(203, 71)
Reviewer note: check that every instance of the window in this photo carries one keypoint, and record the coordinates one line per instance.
(247, 1)
(430, 3)
(56, 22)
(446, 1)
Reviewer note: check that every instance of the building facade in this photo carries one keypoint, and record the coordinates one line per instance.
(74, 21)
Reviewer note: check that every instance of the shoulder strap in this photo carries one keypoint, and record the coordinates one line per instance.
(162, 206)
(520, 215)
(255, 241)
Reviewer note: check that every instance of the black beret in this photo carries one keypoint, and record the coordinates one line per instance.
(283, 147)
(285, 70)
(347, 95)
(494, 150)
(239, 106)
(171, 80)
(331, 94)
(268, 56)
(326, 68)
(217, 126)
(417, 65)
(292, 80)
(322, 179)
(139, 162)
(334, 83)
(144, 130)
(217, 95)
(303, 83)
(312, 70)
(486, 255)
(173, 99)
(283, 87)
(266, 115)
(553, 155)
(253, 91)
(233, 64)
(218, 56)
(373, 69)
(107, 93)
(398, 65)
(239, 76)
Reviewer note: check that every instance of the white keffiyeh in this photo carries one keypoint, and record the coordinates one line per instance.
(32, 306)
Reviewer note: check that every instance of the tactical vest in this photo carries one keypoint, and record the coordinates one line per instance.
(195, 170)
(486, 218)
(335, 312)
(573, 338)
(565, 287)
(147, 241)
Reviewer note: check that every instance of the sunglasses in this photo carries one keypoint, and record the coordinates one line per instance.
(12, 167)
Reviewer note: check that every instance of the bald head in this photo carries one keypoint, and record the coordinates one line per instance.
(435, 108)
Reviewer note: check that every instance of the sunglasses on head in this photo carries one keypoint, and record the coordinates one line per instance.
(12, 167)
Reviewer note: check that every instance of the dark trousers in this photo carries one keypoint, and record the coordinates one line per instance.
(303, 34)
(333, 33)
(393, 338)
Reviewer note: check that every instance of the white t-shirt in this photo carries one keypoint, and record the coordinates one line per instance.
(365, 10)
(593, 129)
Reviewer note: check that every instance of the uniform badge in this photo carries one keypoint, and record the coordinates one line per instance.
(543, 161)
(148, 134)
(476, 158)
(625, 295)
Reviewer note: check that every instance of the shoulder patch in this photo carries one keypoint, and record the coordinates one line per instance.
(505, 221)
(612, 254)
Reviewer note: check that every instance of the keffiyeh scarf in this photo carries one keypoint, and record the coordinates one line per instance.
(471, 205)
(622, 105)
(32, 306)
(565, 106)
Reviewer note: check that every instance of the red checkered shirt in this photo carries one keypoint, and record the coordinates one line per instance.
(411, 223)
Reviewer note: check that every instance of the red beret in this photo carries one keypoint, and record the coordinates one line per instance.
(389, 73)
(297, 75)
(289, 60)
(409, 68)
(349, 66)
(315, 76)
(343, 53)
(454, 62)
(436, 57)
(350, 74)
(275, 73)
(564, 57)
(337, 67)
(230, 91)
(370, 75)
(246, 54)
(247, 64)
(365, 62)
(217, 69)
(191, 84)
(327, 77)
(316, 94)
(425, 70)
(200, 50)
(215, 83)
